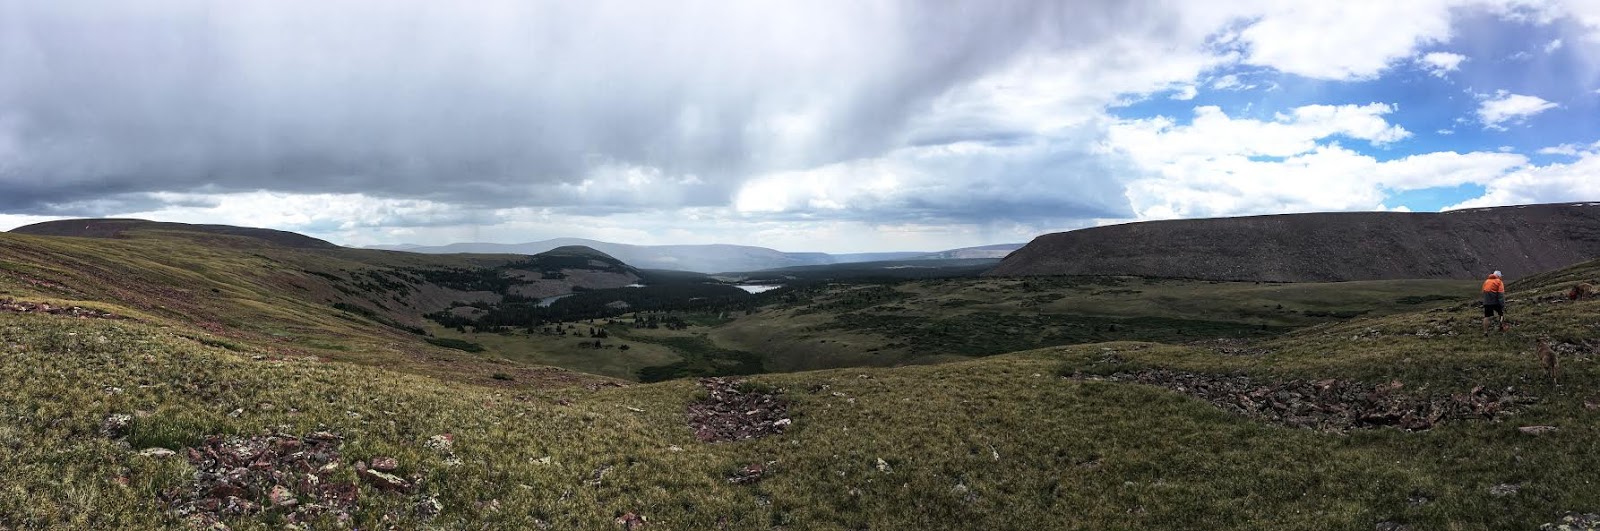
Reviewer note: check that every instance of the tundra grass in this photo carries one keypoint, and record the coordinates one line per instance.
(997, 443)
(1003, 442)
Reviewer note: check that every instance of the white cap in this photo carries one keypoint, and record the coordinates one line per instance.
(1497, 273)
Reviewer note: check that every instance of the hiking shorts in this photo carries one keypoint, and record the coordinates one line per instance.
(1491, 310)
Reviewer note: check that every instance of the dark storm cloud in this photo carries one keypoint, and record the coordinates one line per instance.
(487, 103)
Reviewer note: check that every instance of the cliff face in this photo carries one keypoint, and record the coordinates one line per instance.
(1519, 240)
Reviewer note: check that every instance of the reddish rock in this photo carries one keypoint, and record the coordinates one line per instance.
(292, 476)
(1331, 405)
(630, 521)
(385, 464)
(281, 497)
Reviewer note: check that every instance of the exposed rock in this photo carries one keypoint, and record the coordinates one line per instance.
(1537, 430)
(444, 444)
(1232, 347)
(1576, 349)
(288, 475)
(16, 306)
(157, 453)
(1574, 521)
(1504, 489)
(883, 466)
(749, 474)
(1392, 526)
(430, 506)
(384, 481)
(1331, 405)
(729, 414)
(631, 521)
(116, 425)
(282, 497)
(385, 464)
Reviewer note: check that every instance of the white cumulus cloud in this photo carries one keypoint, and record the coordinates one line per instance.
(1440, 64)
(1220, 166)
(1504, 107)
(1554, 183)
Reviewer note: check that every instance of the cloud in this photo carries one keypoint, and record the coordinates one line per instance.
(1219, 165)
(492, 105)
(953, 183)
(1553, 183)
(1571, 150)
(409, 118)
(1344, 40)
(1552, 46)
(1213, 133)
(1504, 107)
(1440, 64)
(1229, 82)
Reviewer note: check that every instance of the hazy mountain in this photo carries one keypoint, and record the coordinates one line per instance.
(1519, 240)
(704, 258)
(987, 251)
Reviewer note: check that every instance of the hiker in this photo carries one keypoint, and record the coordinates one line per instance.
(1494, 301)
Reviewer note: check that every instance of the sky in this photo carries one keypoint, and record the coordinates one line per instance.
(825, 125)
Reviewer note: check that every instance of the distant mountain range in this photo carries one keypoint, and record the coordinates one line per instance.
(1465, 244)
(705, 258)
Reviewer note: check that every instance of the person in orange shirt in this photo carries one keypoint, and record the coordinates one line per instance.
(1494, 302)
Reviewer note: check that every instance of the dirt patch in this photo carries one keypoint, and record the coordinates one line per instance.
(16, 306)
(1331, 405)
(731, 414)
(296, 477)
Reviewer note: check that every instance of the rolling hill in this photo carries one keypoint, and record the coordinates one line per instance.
(1464, 244)
(120, 228)
(328, 302)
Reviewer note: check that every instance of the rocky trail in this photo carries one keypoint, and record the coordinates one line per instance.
(299, 478)
(1331, 405)
(731, 414)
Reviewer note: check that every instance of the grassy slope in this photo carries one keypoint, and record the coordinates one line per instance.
(1001, 442)
(268, 300)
